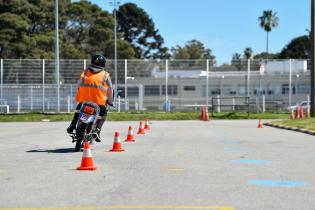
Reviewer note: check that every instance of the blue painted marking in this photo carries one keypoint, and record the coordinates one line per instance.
(274, 183)
(238, 149)
(229, 142)
(248, 161)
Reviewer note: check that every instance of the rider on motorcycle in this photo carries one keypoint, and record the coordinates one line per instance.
(95, 86)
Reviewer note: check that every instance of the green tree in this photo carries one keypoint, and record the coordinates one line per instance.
(193, 49)
(267, 21)
(237, 60)
(136, 27)
(26, 27)
(298, 48)
(248, 53)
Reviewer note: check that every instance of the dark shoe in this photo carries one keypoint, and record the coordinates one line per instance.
(71, 128)
(98, 135)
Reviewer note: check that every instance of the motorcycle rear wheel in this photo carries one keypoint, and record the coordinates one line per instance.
(79, 134)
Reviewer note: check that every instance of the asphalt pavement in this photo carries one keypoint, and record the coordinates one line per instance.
(221, 165)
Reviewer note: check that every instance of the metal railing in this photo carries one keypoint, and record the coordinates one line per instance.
(156, 85)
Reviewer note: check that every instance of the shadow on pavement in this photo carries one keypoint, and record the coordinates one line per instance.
(63, 150)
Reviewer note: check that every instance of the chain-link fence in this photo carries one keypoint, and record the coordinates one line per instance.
(155, 85)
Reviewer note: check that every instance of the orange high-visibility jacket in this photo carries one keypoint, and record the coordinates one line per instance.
(94, 87)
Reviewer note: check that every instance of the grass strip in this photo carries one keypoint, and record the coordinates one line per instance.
(136, 116)
(308, 124)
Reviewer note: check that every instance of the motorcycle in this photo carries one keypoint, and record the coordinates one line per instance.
(85, 130)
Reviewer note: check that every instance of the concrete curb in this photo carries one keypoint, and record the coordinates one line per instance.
(301, 130)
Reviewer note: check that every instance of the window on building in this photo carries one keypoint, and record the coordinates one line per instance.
(171, 90)
(189, 88)
(285, 89)
(151, 90)
(133, 91)
(304, 89)
(242, 90)
(215, 91)
(229, 90)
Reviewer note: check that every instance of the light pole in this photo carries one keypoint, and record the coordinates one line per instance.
(297, 84)
(312, 58)
(115, 3)
(57, 54)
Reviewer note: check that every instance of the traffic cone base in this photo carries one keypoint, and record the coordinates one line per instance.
(130, 138)
(87, 160)
(117, 147)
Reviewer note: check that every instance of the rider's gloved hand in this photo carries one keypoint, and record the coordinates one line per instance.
(109, 102)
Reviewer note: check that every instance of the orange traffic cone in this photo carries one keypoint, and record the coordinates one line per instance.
(146, 125)
(202, 113)
(206, 114)
(301, 112)
(87, 160)
(130, 137)
(297, 113)
(260, 124)
(141, 129)
(117, 144)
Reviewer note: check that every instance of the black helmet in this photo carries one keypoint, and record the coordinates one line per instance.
(98, 60)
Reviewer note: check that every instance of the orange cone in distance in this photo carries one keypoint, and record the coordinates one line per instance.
(117, 144)
(301, 112)
(206, 114)
(130, 136)
(87, 160)
(260, 124)
(201, 113)
(141, 129)
(146, 125)
(297, 113)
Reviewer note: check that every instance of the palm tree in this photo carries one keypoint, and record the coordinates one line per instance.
(268, 20)
(248, 53)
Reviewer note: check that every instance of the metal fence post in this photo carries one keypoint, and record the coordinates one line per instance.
(233, 103)
(308, 105)
(248, 77)
(31, 97)
(18, 104)
(43, 90)
(118, 103)
(166, 80)
(263, 103)
(290, 82)
(1, 81)
(219, 103)
(69, 104)
(207, 84)
(140, 105)
(126, 88)
(84, 64)
(71, 95)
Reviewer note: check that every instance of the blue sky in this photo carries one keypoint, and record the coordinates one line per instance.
(225, 26)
